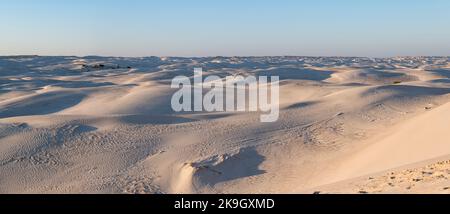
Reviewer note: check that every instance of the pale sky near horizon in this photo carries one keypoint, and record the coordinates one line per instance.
(225, 28)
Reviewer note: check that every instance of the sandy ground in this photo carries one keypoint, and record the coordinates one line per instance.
(425, 177)
(104, 125)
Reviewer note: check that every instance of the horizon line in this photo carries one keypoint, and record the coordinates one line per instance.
(215, 56)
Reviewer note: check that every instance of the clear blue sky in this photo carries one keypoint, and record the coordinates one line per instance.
(225, 27)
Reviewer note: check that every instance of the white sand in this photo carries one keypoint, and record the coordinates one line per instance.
(347, 125)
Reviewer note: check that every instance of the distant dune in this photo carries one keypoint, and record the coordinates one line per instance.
(105, 125)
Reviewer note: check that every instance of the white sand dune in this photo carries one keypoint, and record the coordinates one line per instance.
(420, 139)
(105, 125)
